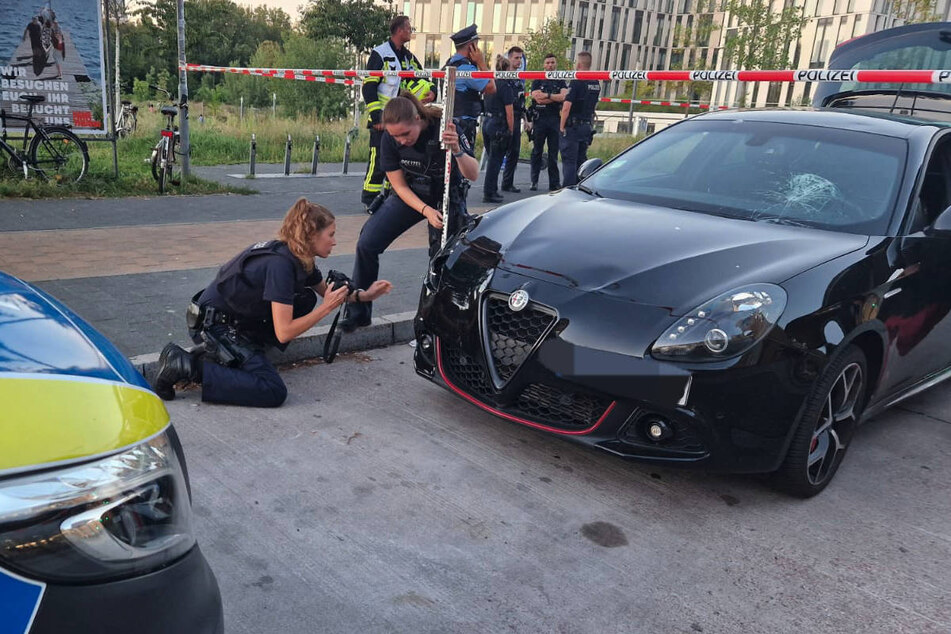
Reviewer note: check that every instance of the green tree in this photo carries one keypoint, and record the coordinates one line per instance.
(687, 39)
(361, 24)
(325, 100)
(554, 37)
(915, 11)
(762, 39)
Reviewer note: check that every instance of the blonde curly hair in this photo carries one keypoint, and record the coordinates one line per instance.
(303, 220)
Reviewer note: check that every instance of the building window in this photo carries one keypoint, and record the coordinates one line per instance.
(582, 20)
(406, 7)
(457, 17)
(599, 34)
(474, 13)
(497, 18)
(857, 27)
(638, 26)
(615, 22)
(821, 46)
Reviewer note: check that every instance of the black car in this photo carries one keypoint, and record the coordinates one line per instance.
(736, 292)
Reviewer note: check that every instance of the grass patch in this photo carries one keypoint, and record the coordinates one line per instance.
(135, 176)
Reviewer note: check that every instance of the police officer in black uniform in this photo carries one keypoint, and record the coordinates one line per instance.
(497, 129)
(515, 56)
(263, 297)
(577, 121)
(548, 95)
(415, 163)
(468, 98)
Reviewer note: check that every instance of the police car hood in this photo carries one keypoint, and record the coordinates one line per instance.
(650, 255)
(67, 393)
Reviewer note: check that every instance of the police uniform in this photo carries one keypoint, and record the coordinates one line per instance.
(579, 129)
(423, 165)
(468, 100)
(376, 92)
(235, 326)
(496, 135)
(546, 130)
(515, 141)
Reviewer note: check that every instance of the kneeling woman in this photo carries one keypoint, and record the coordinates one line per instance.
(411, 156)
(265, 296)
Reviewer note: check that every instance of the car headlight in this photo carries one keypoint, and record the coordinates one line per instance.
(119, 516)
(724, 327)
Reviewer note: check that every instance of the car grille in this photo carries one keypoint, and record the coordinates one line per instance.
(466, 372)
(537, 403)
(561, 408)
(512, 335)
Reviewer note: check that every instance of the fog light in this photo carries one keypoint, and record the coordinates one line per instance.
(657, 429)
(426, 342)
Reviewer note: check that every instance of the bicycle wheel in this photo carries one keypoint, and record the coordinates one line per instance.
(59, 155)
(132, 122)
(163, 167)
(174, 165)
(156, 159)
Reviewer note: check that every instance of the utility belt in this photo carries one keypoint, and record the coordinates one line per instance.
(215, 330)
(575, 121)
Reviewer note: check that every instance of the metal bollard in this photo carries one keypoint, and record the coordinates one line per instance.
(287, 156)
(346, 151)
(313, 162)
(254, 153)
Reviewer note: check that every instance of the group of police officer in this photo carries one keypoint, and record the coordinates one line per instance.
(560, 115)
(268, 294)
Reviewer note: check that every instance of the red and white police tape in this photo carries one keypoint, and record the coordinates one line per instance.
(677, 104)
(873, 76)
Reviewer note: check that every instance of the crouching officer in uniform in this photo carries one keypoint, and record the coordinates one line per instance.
(415, 164)
(390, 55)
(468, 98)
(264, 297)
(577, 121)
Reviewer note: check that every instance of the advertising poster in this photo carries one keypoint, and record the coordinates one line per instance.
(53, 49)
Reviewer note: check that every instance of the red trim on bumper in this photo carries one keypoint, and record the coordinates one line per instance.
(516, 419)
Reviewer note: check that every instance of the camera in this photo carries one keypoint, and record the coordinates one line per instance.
(336, 279)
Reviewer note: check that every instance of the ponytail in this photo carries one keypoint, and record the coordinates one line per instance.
(406, 108)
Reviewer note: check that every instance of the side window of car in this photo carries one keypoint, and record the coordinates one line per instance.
(935, 194)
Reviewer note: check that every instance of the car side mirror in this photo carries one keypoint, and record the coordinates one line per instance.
(942, 225)
(589, 167)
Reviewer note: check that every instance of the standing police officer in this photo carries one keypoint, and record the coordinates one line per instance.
(548, 96)
(577, 121)
(415, 163)
(468, 104)
(497, 131)
(515, 56)
(390, 55)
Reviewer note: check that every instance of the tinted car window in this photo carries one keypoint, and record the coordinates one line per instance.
(820, 177)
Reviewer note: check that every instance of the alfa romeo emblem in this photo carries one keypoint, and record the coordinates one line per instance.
(518, 300)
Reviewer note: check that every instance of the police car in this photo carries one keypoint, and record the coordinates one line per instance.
(95, 512)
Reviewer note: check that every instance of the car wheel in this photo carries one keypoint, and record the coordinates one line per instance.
(826, 426)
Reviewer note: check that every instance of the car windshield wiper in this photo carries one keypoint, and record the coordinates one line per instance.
(590, 191)
(785, 221)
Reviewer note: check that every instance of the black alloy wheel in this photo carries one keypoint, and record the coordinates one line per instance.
(826, 426)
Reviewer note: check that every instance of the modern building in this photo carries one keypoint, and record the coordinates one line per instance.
(654, 35)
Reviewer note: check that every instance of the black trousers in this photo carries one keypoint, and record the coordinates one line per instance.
(546, 131)
(255, 383)
(493, 130)
(574, 150)
(511, 155)
(373, 182)
(391, 221)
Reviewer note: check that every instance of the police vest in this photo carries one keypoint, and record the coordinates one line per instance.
(238, 292)
(585, 109)
(389, 86)
(424, 168)
(468, 102)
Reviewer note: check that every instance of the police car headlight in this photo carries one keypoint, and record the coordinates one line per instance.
(724, 327)
(119, 516)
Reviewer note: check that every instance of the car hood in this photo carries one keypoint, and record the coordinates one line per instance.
(650, 255)
(67, 393)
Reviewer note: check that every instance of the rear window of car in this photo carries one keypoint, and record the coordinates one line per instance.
(820, 177)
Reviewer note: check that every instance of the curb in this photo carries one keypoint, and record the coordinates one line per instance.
(382, 331)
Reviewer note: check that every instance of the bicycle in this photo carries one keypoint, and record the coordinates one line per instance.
(165, 168)
(127, 119)
(54, 152)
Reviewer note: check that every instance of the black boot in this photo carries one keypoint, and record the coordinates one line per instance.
(175, 364)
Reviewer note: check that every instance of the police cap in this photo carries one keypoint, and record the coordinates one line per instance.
(466, 35)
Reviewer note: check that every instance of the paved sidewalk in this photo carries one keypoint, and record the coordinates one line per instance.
(373, 501)
(130, 265)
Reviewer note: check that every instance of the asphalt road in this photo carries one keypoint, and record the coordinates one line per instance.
(373, 501)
